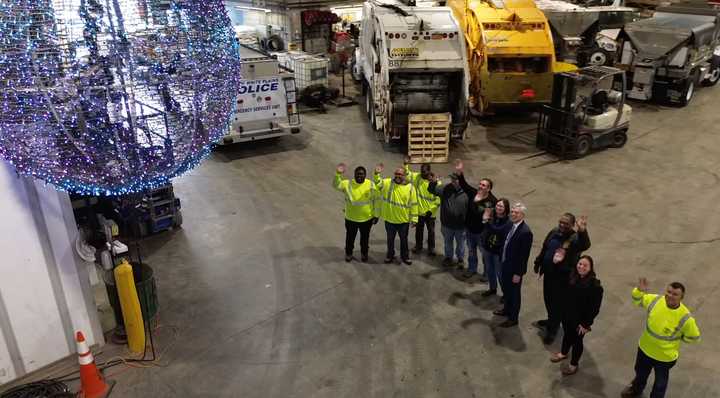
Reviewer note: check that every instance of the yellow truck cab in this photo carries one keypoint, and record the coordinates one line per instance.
(510, 52)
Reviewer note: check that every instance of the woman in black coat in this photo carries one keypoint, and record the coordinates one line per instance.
(582, 305)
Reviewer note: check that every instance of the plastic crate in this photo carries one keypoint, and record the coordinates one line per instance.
(309, 71)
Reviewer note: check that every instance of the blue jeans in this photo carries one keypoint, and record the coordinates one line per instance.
(474, 243)
(457, 235)
(492, 268)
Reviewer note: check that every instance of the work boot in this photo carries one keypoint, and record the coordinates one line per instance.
(483, 278)
(364, 258)
(460, 264)
(388, 260)
(348, 258)
(629, 392)
(447, 262)
(489, 293)
(407, 261)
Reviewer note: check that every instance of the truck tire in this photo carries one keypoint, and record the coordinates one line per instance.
(689, 90)
(596, 56)
(714, 76)
(368, 102)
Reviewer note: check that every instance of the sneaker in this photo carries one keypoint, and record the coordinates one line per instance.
(570, 370)
(488, 293)
(460, 264)
(500, 312)
(447, 262)
(557, 357)
(407, 261)
(468, 274)
(629, 392)
(388, 260)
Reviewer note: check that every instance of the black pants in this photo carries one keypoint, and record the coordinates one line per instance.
(572, 339)
(643, 366)
(512, 294)
(429, 222)
(397, 229)
(351, 230)
(553, 292)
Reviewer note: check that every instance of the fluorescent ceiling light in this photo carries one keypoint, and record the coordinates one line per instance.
(252, 8)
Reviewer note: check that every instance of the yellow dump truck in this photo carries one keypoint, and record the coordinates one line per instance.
(510, 52)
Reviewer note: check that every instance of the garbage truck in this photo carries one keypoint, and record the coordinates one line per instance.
(511, 53)
(411, 59)
(669, 55)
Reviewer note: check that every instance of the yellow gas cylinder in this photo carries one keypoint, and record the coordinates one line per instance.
(130, 304)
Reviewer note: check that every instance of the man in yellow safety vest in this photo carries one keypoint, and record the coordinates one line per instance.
(667, 323)
(398, 207)
(428, 205)
(360, 196)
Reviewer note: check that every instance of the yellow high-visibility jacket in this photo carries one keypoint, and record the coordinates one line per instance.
(427, 202)
(359, 198)
(397, 202)
(665, 327)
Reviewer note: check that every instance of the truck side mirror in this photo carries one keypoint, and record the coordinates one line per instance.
(377, 67)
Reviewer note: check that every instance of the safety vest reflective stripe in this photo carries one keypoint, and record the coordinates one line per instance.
(691, 337)
(389, 195)
(349, 197)
(417, 188)
(674, 335)
(638, 299)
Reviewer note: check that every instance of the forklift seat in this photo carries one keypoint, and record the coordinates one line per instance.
(598, 103)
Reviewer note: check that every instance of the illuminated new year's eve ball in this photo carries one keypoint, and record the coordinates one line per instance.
(113, 96)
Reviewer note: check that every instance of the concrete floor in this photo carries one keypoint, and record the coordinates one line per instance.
(264, 305)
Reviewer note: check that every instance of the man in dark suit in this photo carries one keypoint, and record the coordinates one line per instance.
(514, 259)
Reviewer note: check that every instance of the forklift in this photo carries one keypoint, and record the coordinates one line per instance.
(587, 111)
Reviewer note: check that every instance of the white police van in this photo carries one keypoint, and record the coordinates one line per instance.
(266, 105)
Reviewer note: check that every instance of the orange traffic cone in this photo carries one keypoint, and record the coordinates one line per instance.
(93, 385)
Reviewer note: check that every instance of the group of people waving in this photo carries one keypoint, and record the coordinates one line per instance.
(492, 229)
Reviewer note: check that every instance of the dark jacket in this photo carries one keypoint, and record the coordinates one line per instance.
(453, 204)
(494, 234)
(574, 244)
(473, 222)
(582, 302)
(518, 248)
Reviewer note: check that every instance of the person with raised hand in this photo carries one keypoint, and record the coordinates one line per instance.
(360, 194)
(398, 207)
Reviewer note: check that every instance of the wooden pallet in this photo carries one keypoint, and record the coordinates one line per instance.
(429, 137)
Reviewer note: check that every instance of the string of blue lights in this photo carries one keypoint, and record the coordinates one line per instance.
(110, 97)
